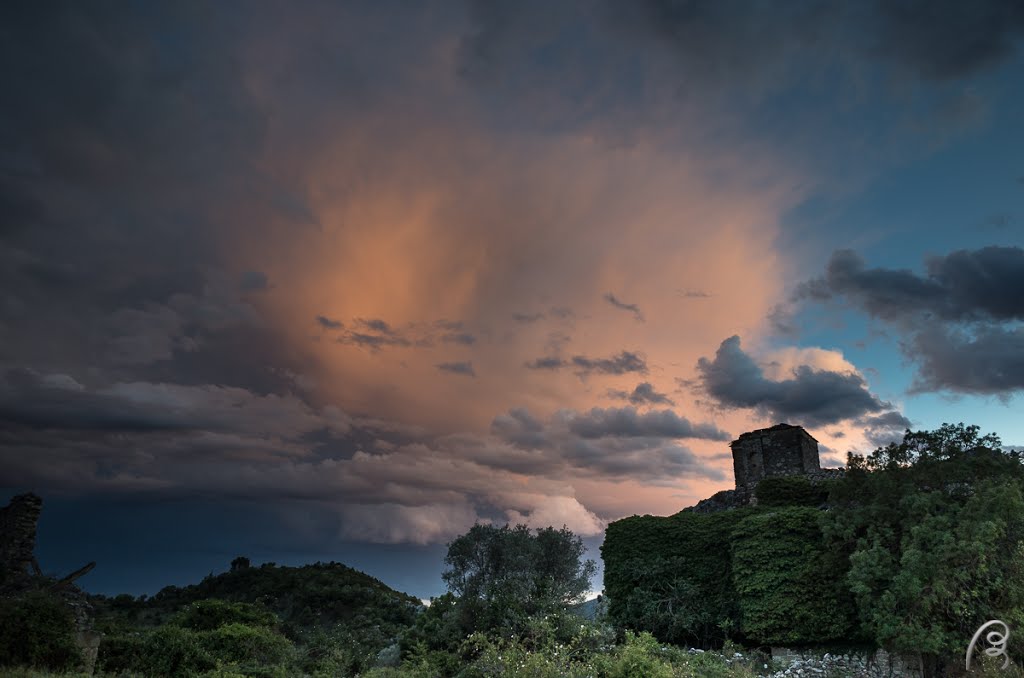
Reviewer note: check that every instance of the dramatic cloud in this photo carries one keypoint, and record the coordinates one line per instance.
(643, 394)
(232, 238)
(812, 397)
(961, 286)
(984, 360)
(961, 318)
(619, 443)
(229, 443)
(717, 39)
(627, 423)
(253, 281)
(632, 308)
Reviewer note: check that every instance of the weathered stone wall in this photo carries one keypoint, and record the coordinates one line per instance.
(878, 664)
(18, 522)
(781, 450)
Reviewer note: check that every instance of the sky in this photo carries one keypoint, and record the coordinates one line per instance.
(337, 280)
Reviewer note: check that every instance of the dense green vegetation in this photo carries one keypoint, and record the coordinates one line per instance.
(934, 532)
(324, 618)
(673, 576)
(785, 578)
(36, 630)
(912, 550)
(919, 544)
(500, 577)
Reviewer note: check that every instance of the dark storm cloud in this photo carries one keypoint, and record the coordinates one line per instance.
(985, 360)
(726, 37)
(520, 428)
(961, 286)
(643, 394)
(811, 397)
(253, 281)
(623, 363)
(58, 402)
(616, 443)
(617, 303)
(131, 144)
(328, 323)
(626, 422)
(463, 368)
(959, 318)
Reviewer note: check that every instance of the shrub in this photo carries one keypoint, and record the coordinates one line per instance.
(247, 645)
(37, 629)
(121, 652)
(173, 652)
(207, 615)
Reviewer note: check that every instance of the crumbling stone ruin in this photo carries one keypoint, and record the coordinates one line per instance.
(20, 573)
(780, 450)
(18, 535)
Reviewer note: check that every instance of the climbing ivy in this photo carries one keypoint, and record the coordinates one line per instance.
(789, 584)
(672, 576)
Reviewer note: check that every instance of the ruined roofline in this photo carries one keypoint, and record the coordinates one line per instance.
(771, 429)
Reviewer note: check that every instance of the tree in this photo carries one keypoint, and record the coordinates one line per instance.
(501, 576)
(934, 530)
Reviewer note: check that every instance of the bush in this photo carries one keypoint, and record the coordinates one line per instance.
(247, 646)
(37, 629)
(173, 652)
(121, 652)
(207, 615)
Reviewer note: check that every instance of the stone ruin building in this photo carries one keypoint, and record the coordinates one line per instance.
(780, 450)
(20, 573)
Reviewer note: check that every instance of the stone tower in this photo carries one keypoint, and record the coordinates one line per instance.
(780, 450)
(18, 534)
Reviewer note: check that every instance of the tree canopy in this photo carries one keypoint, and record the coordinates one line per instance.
(501, 575)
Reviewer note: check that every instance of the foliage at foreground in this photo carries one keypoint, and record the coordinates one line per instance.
(586, 655)
(484, 656)
(36, 629)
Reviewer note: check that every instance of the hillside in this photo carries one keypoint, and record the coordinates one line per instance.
(317, 595)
